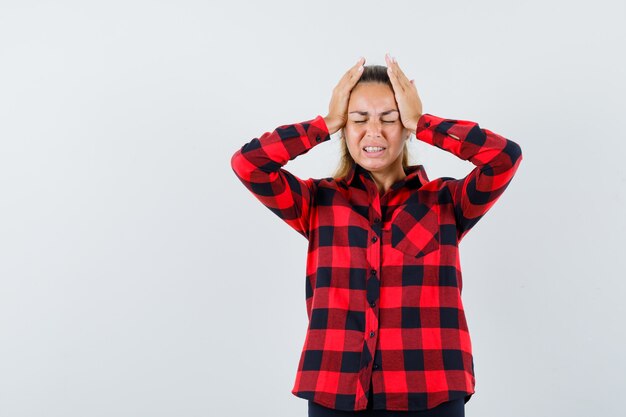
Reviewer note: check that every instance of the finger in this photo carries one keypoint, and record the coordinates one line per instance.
(355, 73)
(402, 78)
(358, 67)
(350, 78)
(353, 69)
(388, 61)
(395, 68)
(393, 75)
(390, 71)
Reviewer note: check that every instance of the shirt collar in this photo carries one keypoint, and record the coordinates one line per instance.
(412, 172)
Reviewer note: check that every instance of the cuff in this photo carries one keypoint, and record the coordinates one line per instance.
(316, 130)
(426, 127)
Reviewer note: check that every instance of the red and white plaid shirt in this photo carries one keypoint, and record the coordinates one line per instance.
(383, 276)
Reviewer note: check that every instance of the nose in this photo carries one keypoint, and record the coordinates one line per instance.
(374, 127)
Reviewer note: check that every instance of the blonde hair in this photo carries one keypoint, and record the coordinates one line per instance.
(371, 74)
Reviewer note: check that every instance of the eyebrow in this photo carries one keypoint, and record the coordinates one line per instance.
(364, 113)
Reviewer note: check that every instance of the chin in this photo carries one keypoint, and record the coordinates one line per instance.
(373, 166)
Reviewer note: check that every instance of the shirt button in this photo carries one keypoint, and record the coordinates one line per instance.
(373, 272)
(377, 220)
(372, 333)
(427, 124)
(374, 239)
(373, 304)
(375, 366)
(318, 138)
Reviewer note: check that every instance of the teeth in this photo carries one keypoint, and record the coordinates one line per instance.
(373, 148)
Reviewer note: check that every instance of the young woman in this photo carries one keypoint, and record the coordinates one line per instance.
(387, 333)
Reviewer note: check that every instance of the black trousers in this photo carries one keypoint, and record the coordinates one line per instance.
(455, 408)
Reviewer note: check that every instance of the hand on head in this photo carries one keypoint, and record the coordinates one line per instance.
(405, 92)
(409, 103)
(338, 107)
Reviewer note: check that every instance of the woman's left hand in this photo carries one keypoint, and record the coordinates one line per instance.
(409, 103)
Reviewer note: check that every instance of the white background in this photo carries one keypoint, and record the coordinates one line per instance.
(138, 277)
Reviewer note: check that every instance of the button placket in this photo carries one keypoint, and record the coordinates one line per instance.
(374, 257)
(373, 272)
(372, 288)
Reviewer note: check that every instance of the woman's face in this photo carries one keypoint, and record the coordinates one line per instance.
(374, 120)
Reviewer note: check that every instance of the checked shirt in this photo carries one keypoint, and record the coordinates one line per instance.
(383, 276)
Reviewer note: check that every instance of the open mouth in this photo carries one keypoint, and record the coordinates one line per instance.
(374, 149)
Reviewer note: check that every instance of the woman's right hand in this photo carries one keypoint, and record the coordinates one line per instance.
(338, 108)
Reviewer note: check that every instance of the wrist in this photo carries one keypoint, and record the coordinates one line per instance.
(413, 124)
(333, 125)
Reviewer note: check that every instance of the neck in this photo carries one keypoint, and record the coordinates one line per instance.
(384, 180)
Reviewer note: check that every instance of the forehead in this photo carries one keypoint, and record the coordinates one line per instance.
(372, 97)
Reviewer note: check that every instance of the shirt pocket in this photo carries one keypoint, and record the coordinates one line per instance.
(415, 229)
